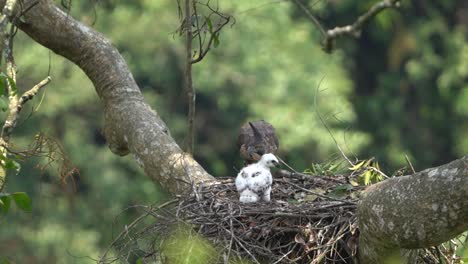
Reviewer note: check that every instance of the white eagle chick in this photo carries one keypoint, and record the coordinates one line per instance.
(254, 181)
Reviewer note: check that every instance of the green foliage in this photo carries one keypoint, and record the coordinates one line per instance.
(3, 83)
(341, 191)
(3, 86)
(4, 260)
(368, 172)
(21, 199)
(185, 246)
(328, 168)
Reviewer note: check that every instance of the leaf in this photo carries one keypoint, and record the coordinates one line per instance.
(376, 165)
(367, 163)
(3, 103)
(357, 166)
(139, 261)
(5, 202)
(354, 183)
(367, 177)
(344, 187)
(318, 190)
(22, 200)
(12, 164)
(2, 83)
(216, 40)
(337, 194)
(310, 197)
(4, 260)
(210, 25)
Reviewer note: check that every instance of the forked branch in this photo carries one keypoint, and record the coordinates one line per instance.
(354, 29)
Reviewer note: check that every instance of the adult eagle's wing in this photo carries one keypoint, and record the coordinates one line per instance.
(255, 139)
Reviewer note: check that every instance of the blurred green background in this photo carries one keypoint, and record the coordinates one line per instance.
(400, 89)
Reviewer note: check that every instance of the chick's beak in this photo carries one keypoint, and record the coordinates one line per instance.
(277, 165)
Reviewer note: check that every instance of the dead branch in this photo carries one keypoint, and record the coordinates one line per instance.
(353, 30)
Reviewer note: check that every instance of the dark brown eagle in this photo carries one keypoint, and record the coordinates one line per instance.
(255, 139)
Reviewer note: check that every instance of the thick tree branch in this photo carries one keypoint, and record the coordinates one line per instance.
(416, 211)
(130, 125)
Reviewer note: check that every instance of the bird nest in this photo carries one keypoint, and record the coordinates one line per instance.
(311, 219)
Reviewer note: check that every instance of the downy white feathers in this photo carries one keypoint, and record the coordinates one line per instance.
(254, 181)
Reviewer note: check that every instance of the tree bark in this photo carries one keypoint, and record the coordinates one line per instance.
(416, 211)
(130, 125)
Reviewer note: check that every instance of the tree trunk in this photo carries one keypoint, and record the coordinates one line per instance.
(416, 211)
(130, 125)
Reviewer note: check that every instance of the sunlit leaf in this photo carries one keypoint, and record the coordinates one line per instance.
(22, 200)
(354, 183)
(357, 166)
(367, 163)
(367, 177)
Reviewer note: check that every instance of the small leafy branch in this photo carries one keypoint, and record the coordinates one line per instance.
(367, 172)
(329, 168)
(21, 199)
(203, 22)
(11, 103)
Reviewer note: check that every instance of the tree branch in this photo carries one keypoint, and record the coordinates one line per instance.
(353, 29)
(191, 96)
(130, 125)
(15, 103)
(6, 16)
(416, 211)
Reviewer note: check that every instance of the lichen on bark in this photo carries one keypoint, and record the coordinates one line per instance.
(415, 211)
